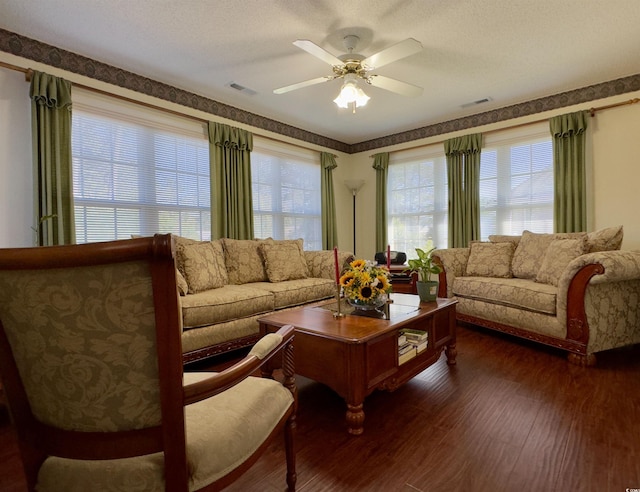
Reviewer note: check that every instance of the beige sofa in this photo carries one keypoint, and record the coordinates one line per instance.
(226, 285)
(572, 291)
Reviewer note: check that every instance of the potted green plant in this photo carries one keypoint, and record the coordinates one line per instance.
(425, 267)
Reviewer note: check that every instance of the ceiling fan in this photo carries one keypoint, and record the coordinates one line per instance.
(353, 67)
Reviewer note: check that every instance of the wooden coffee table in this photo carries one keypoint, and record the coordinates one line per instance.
(356, 355)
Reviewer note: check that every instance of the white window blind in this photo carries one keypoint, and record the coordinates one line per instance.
(137, 171)
(417, 200)
(286, 193)
(516, 182)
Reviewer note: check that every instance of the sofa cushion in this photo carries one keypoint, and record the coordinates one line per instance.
(283, 260)
(558, 255)
(490, 259)
(244, 261)
(608, 239)
(295, 292)
(203, 265)
(514, 292)
(531, 250)
(225, 304)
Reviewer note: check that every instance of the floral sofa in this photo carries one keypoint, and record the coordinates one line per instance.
(574, 291)
(225, 285)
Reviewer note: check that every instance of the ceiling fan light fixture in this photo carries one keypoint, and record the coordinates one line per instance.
(351, 93)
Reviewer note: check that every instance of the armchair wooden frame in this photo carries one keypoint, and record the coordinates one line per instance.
(37, 440)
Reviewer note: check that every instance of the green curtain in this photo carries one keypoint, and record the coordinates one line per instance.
(329, 225)
(230, 160)
(569, 205)
(51, 144)
(381, 165)
(463, 171)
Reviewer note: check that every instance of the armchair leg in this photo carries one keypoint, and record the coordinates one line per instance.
(290, 451)
(288, 370)
(588, 360)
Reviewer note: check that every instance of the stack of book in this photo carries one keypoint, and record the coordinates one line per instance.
(411, 343)
(406, 350)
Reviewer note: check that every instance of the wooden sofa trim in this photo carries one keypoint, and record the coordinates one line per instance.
(577, 325)
(220, 348)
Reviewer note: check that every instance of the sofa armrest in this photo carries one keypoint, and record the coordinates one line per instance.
(453, 262)
(598, 297)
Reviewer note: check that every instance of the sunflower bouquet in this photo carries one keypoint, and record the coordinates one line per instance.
(364, 282)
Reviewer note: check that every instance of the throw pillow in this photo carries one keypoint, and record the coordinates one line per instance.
(559, 254)
(490, 259)
(608, 239)
(283, 260)
(531, 250)
(244, 261)
(180, 242)
(203, 265)
(503, 238)
(183, 286)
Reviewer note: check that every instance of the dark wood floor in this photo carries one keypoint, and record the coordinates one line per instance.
(512, 416)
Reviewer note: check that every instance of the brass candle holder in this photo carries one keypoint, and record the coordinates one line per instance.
(338, 313)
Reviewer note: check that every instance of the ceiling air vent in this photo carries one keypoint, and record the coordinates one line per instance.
(243, 89)
(475, 103)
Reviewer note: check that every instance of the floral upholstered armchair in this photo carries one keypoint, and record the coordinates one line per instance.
(91, 361)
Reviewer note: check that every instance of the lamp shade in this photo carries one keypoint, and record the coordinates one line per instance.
(351, 93)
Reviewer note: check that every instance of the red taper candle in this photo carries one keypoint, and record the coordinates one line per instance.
(388, 257)
(335, 259)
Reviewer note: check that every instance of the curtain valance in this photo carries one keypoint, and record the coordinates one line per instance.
(467, 144)
(48, 90)
(229, 136)
(567, 125)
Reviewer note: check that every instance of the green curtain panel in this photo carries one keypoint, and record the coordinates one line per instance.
(463, 171)
(52, 176)
(570, 196)
(381, 165)
(329, 225)
(231, 202)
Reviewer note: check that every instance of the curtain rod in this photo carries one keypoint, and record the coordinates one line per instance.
(29, 72)
(592, 112)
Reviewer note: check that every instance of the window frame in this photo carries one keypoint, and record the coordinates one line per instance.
(503, 142)
(439, 207)
(148, 207)
(281, 227)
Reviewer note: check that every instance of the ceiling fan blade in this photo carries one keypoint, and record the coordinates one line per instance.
(315, 50)
(395, 52)
(394, 85)
(300, 85)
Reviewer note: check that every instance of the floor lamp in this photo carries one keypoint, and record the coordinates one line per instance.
(354, 186)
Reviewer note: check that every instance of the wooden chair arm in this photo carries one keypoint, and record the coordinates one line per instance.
(233, 375)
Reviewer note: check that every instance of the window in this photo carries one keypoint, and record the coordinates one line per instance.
(417, 200)
(137, 171)
(286, 193)
(516, 182)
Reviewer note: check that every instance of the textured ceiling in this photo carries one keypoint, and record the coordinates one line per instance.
(508, 51)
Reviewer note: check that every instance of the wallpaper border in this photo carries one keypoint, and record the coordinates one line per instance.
(31, 49)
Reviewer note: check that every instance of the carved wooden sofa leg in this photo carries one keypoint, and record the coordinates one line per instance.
(588, 360)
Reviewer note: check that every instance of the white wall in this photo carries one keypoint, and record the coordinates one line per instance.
(16, 185)
(616, 171)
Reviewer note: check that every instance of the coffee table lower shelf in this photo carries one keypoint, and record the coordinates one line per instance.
(356, 355)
